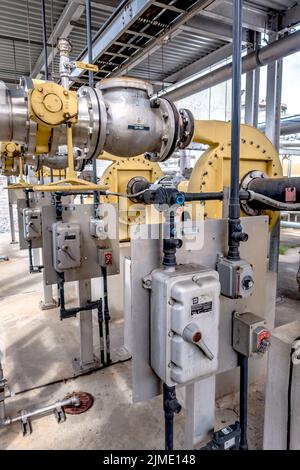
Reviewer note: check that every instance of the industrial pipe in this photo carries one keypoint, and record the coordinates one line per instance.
(276, 188)
(288, 125)
(45, 38)
(243, 363)
(286, 224)
(282, 48)
(234, 225)
(72, 401)
(88, 14)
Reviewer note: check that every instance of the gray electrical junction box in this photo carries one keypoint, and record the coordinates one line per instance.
(66, 246)
(185, 307)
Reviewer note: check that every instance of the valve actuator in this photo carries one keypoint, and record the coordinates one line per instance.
(185, 308)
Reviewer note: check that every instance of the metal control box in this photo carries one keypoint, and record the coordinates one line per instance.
(236, 278)
(66, 246)
(185, 305)
(32, 223)
(250, 335)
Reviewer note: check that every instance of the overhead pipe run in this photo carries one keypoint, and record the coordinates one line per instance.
(288, 125)
(278, 49)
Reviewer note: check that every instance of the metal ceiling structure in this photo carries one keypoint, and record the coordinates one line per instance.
(170, 40)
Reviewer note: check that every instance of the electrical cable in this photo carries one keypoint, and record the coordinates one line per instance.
(111, 193)
(272, 202)
(72, 377)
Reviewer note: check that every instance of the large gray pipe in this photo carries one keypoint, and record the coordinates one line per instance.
(283, 47)
(288, 125)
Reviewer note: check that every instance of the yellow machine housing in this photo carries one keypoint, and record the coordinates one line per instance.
(116, 177)
(212, 170)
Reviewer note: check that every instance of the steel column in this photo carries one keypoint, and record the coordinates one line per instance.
(87, 360)
(11, 217)
(252, 91)
(199, 411)
(273, 112)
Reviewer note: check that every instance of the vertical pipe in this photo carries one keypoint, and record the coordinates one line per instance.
(234, 204)
(106, 313)
(169, 417)
(11, 214)
(243, 362)
(45, 38)
(2, 395)
(171, 406)
(91, 81)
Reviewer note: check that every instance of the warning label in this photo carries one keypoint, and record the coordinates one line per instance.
(201, 308)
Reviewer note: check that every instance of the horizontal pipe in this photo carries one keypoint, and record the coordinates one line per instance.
(281, 48)
(275, 188)
(286, 224)
(73, 401)
(203, 197)
(288, 125)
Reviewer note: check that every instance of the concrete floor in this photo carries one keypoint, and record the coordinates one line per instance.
(38, 349)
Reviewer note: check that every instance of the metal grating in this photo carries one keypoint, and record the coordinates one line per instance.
(157, 19)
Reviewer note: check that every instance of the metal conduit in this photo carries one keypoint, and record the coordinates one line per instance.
(282, 48)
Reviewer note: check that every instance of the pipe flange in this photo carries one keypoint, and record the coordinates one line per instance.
(89, 133)
(170, 131)
(244, 186)
(187, 128)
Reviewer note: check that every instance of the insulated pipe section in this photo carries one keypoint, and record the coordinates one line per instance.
(270, 193)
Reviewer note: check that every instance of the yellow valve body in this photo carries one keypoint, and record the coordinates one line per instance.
(51, 105)
(10, 151)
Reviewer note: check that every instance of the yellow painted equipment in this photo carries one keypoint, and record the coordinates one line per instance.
(117, 176)
(51, 105)
(85, 66)
(212, 171)
(10, 153)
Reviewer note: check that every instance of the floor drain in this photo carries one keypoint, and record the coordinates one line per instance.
(86, 402)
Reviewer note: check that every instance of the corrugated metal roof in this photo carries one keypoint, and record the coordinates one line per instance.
(15, 29)
(182, 49)
(276, 5)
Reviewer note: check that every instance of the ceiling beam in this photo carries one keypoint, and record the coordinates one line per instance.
(256, 19)
(113, 30)
(290, 17)
(155, 44)
(211, 28)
